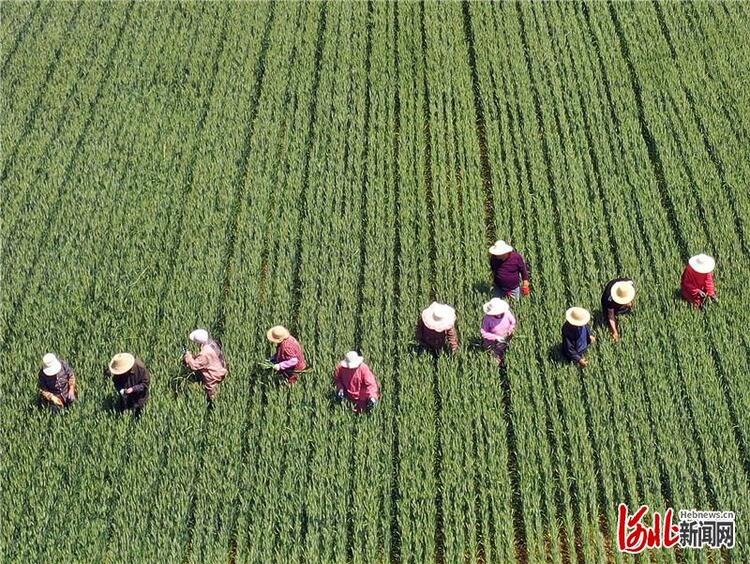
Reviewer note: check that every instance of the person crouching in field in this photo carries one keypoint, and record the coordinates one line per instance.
(131, 380)
(576, 335)
(508, 268)
(697, 285)
(355, 381)
(498, 326)
(436, 328)
(289, 359)
(617, 299)
(57, 383)
(209, 362)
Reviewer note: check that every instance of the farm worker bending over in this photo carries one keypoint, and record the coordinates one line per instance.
(131, 380)
(289, 359)
(698, 280)
(617, 298)
(497, 328)
(355, 381)
(508, 267)
(436, 328)
(209, 363)
(576, 335)
(57, 383)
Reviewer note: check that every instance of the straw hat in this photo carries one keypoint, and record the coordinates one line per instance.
(199, 336)
(121, 363)
(500, 248)
(577, 316)
(51, 364)
(277, 333)
(439, 317)
(623, 292)
(352, 360)
(702, 263)
(496, 306)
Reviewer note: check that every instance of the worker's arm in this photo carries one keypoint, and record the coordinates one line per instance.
(50, 397)
(524, 270)
(284, 364)
(368, 385)
(198, 362)
(710, 289)
(612, 319)
(143, 381)
(419, 330)
(453, 338)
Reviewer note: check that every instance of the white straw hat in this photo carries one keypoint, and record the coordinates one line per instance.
(121, 363)
(702, 263)
(623, 292)
(439, 317)
(51, 364)
(199, 336)
(277, 334)
(500, 248)
(577, 316)
(352, 360)
(496, 306)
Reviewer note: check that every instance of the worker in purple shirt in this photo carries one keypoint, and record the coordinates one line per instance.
(509, 271)
(576, 335)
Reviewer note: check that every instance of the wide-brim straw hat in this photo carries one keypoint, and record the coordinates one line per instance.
(496, 306)
(352, 359)
(199, 336)
(500, 248)
(702, 263)
(577, 316)
(51, 364)
(623, 292)
(277, 333)
(121, 363)
(439, 317)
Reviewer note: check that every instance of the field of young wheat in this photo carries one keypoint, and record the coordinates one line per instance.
(335, 167)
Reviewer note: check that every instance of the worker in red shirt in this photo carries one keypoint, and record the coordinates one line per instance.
(355, 381)
(289, 359)
(698, 281)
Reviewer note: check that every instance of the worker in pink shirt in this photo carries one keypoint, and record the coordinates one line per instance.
(355, 381)
(289, 359)
(497, 328)
(209, 362)
(697, 283)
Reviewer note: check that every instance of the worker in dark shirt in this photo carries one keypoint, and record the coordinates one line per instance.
(508, 271)
(576, 335)
(131, 380)
(57, 383)
(617, 299)
(436, 328)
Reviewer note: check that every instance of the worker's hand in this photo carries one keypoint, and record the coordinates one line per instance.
(122, 392)
(57, 401)
(129, 391)
(339, 395)
(583, 362)
(592, 339)
(525, 289)
(277, 367)
(701, 293)
(616, 337)
(714, 298)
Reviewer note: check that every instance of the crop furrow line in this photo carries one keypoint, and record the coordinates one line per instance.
(188, 182)
(739, 439)
(305, 185)
(18, 303)
(395, 529)
(364, 219)
(481, 126)
(649, 140)
(428, 179)
(21, 36)
(50, 144)
(31, 116)
(428, 174)
(239, 181)
(565, 268)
